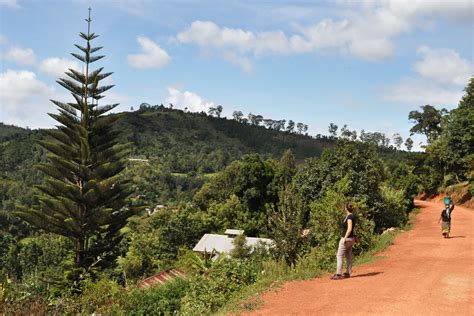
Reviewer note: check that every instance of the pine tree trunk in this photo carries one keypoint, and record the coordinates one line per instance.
(80, 252)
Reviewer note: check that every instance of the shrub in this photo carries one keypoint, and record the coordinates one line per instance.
(210, 291)
(160, 300)
(44, 253)
(395, 208)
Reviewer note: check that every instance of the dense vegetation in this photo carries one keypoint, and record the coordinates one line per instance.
(265, 197)
(212, 173)
(449, 155)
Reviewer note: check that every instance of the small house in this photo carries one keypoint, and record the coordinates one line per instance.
(220, 244)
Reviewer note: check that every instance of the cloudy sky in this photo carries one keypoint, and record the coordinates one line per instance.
(364, 64)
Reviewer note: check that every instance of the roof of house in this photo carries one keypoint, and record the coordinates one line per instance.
(161, 278)
(224, 243)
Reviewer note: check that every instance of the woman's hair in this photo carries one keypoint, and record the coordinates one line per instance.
(349, 207)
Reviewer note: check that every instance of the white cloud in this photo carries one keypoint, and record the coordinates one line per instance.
(442, 76)
(25, 99)
(3, 39)
(192, 101)
(56, 67)
(444, 65)
(451, 10)
(207, 34)
(23, 56)
(153, 55)
(417, 92)
(367, 31)
(12, 4)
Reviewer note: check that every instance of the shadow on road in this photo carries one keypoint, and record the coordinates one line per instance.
(366, 275)
(450, 237)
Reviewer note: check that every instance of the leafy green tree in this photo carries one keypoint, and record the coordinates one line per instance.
(300, 127)
(374, 138)
(255, 119)
(217, 111)
(458, 135)
(44, 255)
(268, 123)
(397, 140)
(346, 133)
(238, 195)
(238, 116)
(427, 122)
(285, 170)
(286, 225)
(9, 267)
(327, 214)
(290, 127)
(409, 143)
(357, 161)
(333, 129)
(84, 197)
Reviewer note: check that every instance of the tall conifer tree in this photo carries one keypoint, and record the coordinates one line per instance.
(83, 196)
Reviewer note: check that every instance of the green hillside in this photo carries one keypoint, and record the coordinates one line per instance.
(185, 142)
(183, 149)
(181, 142)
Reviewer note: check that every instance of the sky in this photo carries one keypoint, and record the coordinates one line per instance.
(366, 64)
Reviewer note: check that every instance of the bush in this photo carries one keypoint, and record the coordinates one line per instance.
(44, 254)
(160, 300)
(395, 208)
(210, 291)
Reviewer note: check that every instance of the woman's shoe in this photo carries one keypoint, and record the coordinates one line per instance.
(337, 277)
(346, 275)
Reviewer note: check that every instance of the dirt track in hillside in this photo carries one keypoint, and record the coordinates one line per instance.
(420, 274)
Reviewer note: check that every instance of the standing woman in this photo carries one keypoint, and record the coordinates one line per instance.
(345, 244)
(446, 217)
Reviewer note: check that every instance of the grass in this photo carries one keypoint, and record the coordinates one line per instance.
(275, 274)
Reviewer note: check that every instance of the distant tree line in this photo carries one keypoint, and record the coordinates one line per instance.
(375, 138)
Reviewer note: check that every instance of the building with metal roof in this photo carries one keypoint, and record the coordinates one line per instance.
(216, 243)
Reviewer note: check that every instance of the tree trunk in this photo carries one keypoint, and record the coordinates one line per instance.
(80, 252)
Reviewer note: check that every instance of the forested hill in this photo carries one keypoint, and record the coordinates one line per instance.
(187, 142)
(183, 148)
(179, 142)
(10, 131)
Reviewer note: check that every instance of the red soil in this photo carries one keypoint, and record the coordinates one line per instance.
(420, 274)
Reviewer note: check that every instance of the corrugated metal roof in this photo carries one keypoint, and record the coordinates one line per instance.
(161, 278)
(224, 243)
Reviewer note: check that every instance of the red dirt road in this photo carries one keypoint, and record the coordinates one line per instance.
(421, 274)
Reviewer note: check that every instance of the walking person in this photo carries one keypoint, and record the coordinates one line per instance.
(445, 217)
(345, 244)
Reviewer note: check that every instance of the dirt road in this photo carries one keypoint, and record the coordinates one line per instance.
(421, 274)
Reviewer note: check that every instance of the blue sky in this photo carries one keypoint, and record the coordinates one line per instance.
(364, 64)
